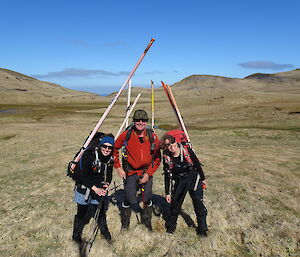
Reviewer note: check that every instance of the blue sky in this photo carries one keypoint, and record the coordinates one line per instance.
(92, 45)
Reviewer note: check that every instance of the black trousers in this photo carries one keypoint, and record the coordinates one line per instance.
(182, 186)
(86, 212)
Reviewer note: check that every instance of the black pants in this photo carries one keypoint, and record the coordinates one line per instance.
(182, 186)
(86, 212)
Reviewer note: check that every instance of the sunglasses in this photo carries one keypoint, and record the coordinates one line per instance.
(107, 147)
(167, 145)
(142, 120)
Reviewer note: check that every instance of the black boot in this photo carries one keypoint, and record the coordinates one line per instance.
(147, 216)
(77, 230)
(201, 232)
(125, 217)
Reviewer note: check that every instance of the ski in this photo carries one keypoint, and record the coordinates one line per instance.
(74, 162)
(174, 105)
(127, 115)
(128, 100)
(170, 100)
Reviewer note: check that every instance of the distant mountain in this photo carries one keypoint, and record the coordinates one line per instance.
(282, 82)
(18, 88)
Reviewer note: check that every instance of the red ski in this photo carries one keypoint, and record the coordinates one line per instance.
(173, 103)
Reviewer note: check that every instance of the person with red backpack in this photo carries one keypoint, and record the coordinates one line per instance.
(183, 173)
(141, 158)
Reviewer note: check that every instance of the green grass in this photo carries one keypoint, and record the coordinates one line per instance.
(239, 154)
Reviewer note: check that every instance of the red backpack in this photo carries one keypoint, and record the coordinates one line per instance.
(179, 136)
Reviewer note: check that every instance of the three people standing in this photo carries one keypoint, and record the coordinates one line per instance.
(140, 159)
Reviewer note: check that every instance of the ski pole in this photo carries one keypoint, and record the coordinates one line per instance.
(110, 107)
(128, 114)
(93, 232)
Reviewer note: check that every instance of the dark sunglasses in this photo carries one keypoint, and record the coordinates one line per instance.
(166, 146)
(107, 147)
(142, 120)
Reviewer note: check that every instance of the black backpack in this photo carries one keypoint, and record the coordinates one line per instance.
(94, 143)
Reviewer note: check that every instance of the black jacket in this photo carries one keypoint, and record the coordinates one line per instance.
(91, 174)
(181, 168)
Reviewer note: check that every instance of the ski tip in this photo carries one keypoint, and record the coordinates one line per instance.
(153, 39)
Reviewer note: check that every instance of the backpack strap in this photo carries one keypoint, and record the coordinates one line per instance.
(150, 135)
(152, 144)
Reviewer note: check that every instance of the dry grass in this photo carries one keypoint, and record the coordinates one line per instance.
(251, 154)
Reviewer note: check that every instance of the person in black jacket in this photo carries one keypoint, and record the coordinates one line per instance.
(93, 179)
(183, 173)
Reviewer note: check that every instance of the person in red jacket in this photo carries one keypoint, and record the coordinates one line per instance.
(141, 158)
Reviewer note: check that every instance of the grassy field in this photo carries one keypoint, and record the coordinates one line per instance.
(248, 142)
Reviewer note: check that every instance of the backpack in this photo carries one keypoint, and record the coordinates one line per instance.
(184, 146)
(150, 135)
(179, 135)
(92, 145)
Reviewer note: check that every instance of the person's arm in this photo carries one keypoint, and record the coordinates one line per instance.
(197, 164)
(167, 180)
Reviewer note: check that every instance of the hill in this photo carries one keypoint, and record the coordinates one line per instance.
(20, 89)
(282, 82)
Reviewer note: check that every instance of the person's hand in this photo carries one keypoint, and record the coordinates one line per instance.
(121, 172)
(99, 191)
(106, 187)
(204, 184)
(145, 178)
(168, 198)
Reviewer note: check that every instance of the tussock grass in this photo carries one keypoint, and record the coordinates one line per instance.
(251, 160)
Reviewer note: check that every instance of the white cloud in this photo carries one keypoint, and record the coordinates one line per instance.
(265, 65)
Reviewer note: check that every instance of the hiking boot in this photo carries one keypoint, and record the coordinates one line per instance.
(125, 217)
(170, 230)
(77, 230)
(147, 216)
(106, 235)
(201, 232)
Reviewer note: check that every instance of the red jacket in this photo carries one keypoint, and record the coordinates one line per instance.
(138, 154)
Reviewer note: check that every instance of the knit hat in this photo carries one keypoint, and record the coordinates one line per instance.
(107, 139)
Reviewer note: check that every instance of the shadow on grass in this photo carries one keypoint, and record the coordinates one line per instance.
(160, 207)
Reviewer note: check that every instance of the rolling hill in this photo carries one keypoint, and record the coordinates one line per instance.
(17, 88)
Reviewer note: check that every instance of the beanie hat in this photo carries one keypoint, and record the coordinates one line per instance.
(107, 139)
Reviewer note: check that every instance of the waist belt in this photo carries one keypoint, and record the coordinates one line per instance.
(181, 175)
